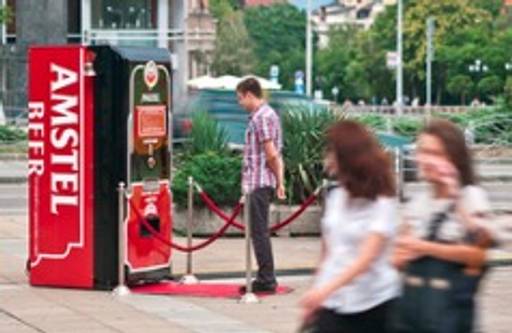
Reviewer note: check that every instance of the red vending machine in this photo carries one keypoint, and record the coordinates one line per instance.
(98, 116)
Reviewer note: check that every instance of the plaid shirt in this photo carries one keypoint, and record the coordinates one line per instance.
(263, 125)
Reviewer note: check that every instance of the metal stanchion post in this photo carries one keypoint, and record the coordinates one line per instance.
(323, 193)
(189, 277)
(399, 173)
(389, 125)
(121, 288)
(249, 296)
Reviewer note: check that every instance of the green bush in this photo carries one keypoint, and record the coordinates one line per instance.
(373, 121)
(218, 174)
(206, 135)
(11, 134)
(490, 126)
(304, 142)
(407, 126)
(508, 93)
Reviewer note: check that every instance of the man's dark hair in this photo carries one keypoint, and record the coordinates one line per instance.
(250, 85)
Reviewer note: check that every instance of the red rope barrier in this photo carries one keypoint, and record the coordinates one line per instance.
(215, 209)
(178, 247)
(292, 217)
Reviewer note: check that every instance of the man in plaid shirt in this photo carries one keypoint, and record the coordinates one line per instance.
(262, 175)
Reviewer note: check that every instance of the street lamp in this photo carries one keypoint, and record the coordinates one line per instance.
(335, 91)
(478, 67)
(508, 66)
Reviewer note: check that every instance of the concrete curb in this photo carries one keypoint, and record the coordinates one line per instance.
(13, 180)
(13, 157)
(298, 271)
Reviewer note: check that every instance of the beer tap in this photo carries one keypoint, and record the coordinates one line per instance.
(151, 158)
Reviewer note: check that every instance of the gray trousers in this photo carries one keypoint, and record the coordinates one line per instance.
(259, 206)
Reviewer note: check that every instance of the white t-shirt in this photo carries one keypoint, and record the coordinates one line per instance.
(422, 207)
(345, 225)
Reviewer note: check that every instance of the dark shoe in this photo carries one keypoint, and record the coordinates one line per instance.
(260, 287)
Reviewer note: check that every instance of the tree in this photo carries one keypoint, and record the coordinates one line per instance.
(5, 14)
(490, 86)
(277, 33)
(492, 6)
(221, 8)
(460, 85)
(233, 50)
(451, 16)
(332, 62)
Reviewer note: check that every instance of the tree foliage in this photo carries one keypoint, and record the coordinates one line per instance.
(460, 85)
(466, 30)
(221, 8)
(355, 59)
(6, 14)
(233, 50)
(277, 33)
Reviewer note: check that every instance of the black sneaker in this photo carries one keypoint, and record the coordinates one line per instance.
(260, 287)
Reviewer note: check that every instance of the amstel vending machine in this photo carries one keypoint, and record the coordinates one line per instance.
(98, 116)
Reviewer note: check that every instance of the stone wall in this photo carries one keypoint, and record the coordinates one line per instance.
(206, 223)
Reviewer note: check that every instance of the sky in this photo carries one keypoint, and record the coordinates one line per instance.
(314, 3)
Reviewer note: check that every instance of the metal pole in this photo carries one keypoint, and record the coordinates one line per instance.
(398, 172)
(121, 288)
(389, 125)
(309, 51)
(189, 277)
(4, 25)
(430, 57)
(399, 67)
(249, 296)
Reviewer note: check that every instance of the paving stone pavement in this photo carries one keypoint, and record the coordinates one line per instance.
(27, 309)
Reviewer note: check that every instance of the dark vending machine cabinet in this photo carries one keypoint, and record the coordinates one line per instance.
(98, 116)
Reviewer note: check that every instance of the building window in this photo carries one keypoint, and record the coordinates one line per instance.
(11, 26)
(74, 21)
(123, 14)
(363, 14)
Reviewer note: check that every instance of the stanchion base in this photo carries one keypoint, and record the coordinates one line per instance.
(121, 291)
(189, 279)
(249, 298)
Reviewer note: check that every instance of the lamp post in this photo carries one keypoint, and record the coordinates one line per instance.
(478, 67)
(335, 91)
(309, 50)
(430, 57)
(399, 67)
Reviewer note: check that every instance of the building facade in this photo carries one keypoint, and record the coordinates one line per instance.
(185, 27)
(360, 13)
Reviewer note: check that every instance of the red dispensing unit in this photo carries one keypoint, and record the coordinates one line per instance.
(98, 116)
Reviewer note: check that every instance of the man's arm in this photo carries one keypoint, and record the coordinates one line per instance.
(276, 164)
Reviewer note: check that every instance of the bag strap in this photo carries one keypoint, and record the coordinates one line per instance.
(437, 220)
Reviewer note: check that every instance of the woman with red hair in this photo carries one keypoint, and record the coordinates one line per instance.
(355, 284)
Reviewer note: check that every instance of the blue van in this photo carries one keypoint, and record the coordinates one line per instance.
(222, 105)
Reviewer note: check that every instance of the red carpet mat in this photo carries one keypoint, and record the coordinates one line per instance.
(221, 290)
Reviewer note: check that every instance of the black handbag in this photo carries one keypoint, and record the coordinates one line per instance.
(438, 297)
